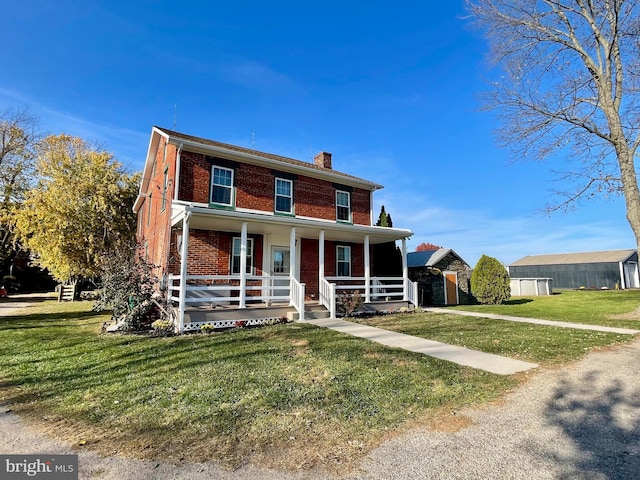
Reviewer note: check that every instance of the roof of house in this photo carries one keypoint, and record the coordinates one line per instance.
(256, 153)
(429, 258)
(610, 256)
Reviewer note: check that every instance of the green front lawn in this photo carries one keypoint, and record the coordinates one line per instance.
(614, 308)
(292, 396)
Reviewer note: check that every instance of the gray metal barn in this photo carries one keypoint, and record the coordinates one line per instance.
(610, 269)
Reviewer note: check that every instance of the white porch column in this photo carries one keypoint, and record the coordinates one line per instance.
(292, 253)
(292, 261)
(243, 265)
(320, 262)
(367, 271)
(184, 252)
(405, 271)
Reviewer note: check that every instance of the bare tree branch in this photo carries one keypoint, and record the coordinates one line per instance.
(570, 89)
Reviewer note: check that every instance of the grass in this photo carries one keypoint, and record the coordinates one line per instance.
(548, 346)
(613, 308)
(292, 396)
(288, 396)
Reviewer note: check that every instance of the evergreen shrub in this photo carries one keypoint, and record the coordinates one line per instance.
(490, 282)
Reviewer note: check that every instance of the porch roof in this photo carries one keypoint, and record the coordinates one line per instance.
(205, 218)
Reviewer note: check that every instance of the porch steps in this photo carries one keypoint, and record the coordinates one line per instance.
(311, 312)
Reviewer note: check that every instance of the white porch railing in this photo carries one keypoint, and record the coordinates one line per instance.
(328, 296)
(412, 292)
(297, 297)
(225, 289)
(380, 288)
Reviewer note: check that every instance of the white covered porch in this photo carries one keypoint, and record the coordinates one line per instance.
(281, 289)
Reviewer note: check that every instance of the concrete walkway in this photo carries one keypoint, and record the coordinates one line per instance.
(460, 355)
(578, 326)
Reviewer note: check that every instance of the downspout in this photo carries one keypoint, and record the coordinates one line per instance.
(176, 186)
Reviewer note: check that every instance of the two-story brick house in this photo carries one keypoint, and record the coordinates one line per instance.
(230, 228)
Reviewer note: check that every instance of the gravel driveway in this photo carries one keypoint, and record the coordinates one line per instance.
(581, 421)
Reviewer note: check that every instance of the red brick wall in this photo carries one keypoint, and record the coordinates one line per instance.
(153, 220)
(210, 252)
(255, 190)
(195, 177)
(309, 267)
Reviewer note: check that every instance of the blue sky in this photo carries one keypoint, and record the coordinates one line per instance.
(391, 90)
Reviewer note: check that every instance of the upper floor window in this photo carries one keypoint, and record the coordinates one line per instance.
(343, 206)
(235, 256)
(221, 186)
(343, 261)
(284, 196)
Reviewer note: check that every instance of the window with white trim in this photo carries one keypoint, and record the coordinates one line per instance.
(343, 206)
(221, 186)
(343, 261)
(284, 196)
(235, 256)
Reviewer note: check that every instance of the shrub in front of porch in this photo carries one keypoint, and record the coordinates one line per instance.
(128, 288)
(349, 302)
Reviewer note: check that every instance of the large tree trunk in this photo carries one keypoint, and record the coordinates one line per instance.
(630, 189)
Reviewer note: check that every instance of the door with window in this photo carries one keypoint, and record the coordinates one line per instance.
(280, 264)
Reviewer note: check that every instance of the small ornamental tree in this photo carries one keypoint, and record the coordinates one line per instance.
(128, 287)
(490, 281)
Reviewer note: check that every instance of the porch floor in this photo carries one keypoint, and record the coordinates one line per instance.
(228, 315)
(252, 314)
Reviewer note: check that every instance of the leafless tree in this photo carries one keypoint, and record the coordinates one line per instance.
(18, 138)
(570, 89)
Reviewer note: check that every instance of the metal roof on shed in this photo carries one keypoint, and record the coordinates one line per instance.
(610, 256)
(419, 259)
(429, 258)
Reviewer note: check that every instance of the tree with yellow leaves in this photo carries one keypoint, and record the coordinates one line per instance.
(80, 209)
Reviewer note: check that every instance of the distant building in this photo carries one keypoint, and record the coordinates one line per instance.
(443, 277)
(600, 270)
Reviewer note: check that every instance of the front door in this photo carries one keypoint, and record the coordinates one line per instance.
(280, 264)
(451, 288)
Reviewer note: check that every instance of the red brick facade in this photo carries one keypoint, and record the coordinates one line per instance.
(155, 212)
(254, 190)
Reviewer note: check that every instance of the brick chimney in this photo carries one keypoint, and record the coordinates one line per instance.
(323, 160)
